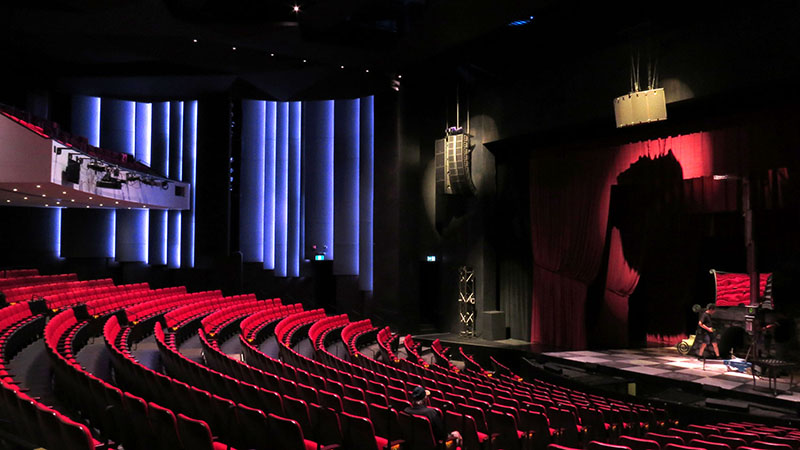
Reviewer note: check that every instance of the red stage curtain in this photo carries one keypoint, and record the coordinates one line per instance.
(569, 212)
(621, 280)
(570, 193)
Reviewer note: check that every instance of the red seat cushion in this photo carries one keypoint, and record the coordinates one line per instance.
(381, 441)
(310, 445)
(482, 437)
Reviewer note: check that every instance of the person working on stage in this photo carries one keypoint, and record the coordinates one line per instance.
(419, 407)
(704, 331)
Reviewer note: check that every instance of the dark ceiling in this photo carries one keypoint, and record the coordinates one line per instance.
(152, 49)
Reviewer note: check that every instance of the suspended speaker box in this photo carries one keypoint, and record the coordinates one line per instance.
(457, 165)
(640, 107)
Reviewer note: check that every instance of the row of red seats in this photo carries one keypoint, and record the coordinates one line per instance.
(85, 294)
(413, 350)
(105, 406)
(385, 339)
(251, 326)
(24, 293)
(177, 317)
(7, 283)
(249, 306)
(287, 326)
(352, 331)
(14, 273)
(318, 331)
(224, 389)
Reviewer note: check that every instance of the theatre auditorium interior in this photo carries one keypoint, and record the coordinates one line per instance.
(399, 225)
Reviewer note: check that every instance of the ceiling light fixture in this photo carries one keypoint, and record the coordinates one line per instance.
(194, 40)
(272, 54)
(38, 186)
(296, 8)
(341, 67)
(15, 189)
(233, 48)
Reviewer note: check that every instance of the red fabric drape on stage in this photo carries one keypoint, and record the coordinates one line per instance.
(569, 211)
(570, 194)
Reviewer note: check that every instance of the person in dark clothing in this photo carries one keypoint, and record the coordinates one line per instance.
(705, 333)
(419, 407)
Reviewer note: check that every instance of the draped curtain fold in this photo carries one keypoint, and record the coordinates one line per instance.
(569, 198)
(569, 211)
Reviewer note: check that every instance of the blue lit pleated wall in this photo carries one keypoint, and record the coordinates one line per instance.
(366, 191)
(281, 187)
(189, 175)
(345, 186)
(270, 142)
(318, 142)
(159, 154)
(251, 210)
(293, 210)
(163, 135)
(307, 180)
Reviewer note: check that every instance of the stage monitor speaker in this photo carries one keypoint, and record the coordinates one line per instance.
(457, 170)
(640, 107)
(554, 368)
(728, 404)
(494, 325)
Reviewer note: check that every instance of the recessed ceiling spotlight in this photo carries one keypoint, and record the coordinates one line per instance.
(399, 77)
(46, 205)
(24, 198)
(296, 8)
(64, 192)
(73, 200)
(38, 186)
(8, 201)
(44, 195)
(129, 207)
(116, 203)
(194, 40)
(87, 206)
(15, 189)
(272, 54)
(367, 70)
(58, 203)
(304, 60)
(91, 198)
(233, 48)
(341, 67)
(101, 204)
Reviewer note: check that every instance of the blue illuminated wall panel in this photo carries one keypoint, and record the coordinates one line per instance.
(293, 251)
(251, 200)
(86, 118)
(175, 168)
(270, 141)
(118, 126)
(366, 192)
(144, 127)
(190, 176)
(158, 237)
(281, 188)
(318, 145)
(159, 153)
(346, 185)
(132, 238)
(174, 239)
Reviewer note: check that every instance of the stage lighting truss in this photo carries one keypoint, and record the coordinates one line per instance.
(466, 300)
